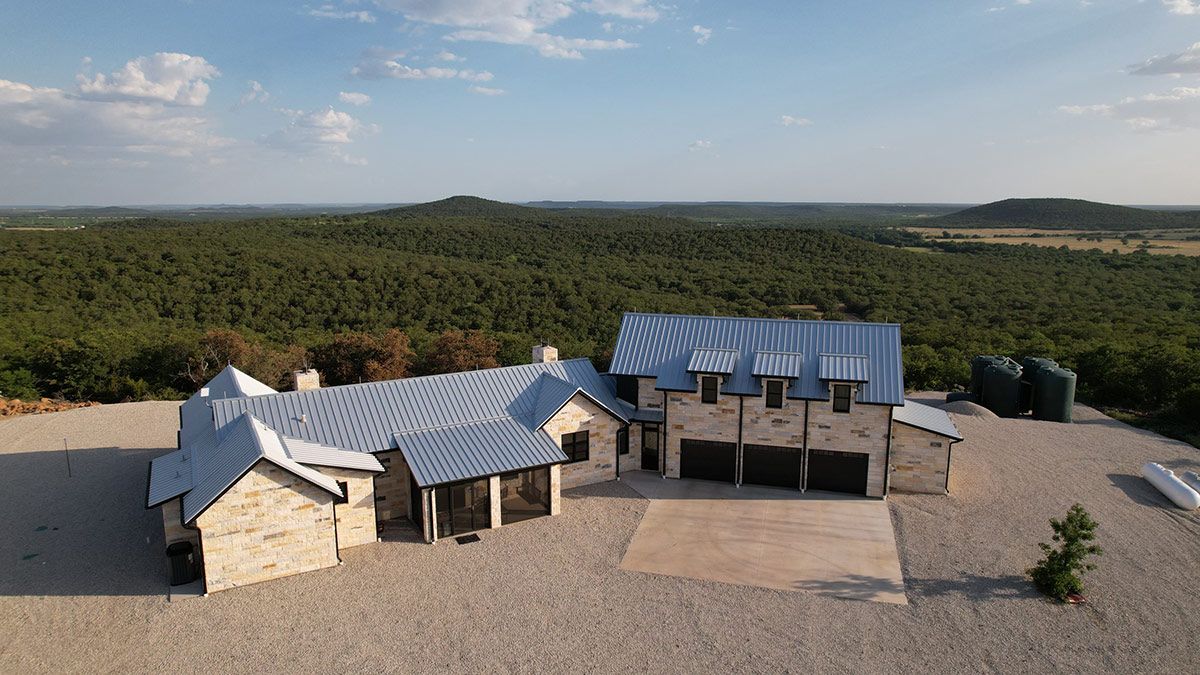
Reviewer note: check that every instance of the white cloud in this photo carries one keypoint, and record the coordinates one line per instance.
(790, 121)
(177, 79)
(332, 12)
(255, 94)
(321, 133)
(487, 91)
(698, 145)
(1188, 7)
(1176, 109)
(634, 10)
(510, 22)
(1186, 62)
(353, 98)
(703, 34)
(448, 56)
(379, 65)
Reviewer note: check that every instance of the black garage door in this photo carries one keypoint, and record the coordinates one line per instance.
(837, 471)
(709, 460)
(771, 465)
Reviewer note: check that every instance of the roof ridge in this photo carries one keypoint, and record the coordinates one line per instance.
(456, 424)
(763, 319)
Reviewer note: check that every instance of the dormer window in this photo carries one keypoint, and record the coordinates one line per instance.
(841, 398)
(708, 389)
(774, 393)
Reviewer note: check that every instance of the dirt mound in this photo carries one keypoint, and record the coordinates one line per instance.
(15, 406)
(969, 409)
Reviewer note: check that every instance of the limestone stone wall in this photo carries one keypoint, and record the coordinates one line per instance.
(356, 523)
(270, 524)
(688, 417)
(391, 487)
(555, 489)
(580, 414)
(864, 429)
(919, 460)
(497, 513)
(648, 396)
(773, 426)
(173, 529)
(633, 461)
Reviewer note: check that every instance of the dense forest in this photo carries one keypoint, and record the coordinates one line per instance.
(144, 309)
(1057, 214)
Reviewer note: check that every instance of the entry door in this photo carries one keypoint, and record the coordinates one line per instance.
(650, 447)
(838, 471)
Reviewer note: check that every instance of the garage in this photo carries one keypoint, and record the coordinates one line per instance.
(707, 460)
(771, 465)
(836, 471)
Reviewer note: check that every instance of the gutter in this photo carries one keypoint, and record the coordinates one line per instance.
(887, 457)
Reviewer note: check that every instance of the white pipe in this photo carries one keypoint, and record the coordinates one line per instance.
(1170, 485)
(1192, 479)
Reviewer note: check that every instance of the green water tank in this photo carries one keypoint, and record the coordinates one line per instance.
(1001, 388)
(978, 365)
(1053, 394)
(1030, 365)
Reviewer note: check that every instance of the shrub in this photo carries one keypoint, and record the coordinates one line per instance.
(1058, 573)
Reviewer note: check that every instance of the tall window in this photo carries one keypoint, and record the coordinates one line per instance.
(774, 394)
(623, 441)
(708, 389)
(575, 446)
(841, 398)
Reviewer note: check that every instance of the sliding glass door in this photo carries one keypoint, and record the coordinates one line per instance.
(463, 507)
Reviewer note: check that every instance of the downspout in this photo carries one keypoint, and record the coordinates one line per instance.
(949, 450)
(662, 451)
(739, 460)
(804, 452)
(337, 547)
(887, 457)
(618, 460)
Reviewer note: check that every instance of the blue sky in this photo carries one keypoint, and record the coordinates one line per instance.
(408, 100)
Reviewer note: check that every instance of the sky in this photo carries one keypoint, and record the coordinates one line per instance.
(357, 101)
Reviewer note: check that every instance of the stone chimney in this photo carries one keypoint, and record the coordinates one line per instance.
(544, 353)
(306, 379)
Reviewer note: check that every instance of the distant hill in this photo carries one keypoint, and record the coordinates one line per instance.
(1057, 214)
(734, 210)
(463, 205)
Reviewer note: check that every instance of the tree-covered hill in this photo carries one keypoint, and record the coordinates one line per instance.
(1066, 214)
(465, 205)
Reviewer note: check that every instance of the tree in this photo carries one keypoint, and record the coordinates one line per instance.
(361, 357)
(1058, 573)
(455, 350)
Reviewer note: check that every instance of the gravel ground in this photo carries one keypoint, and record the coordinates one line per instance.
(547, 595)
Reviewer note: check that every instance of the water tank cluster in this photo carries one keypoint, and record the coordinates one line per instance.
(1035, 385)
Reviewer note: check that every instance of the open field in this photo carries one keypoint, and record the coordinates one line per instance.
(82, 575)
(1161, 242)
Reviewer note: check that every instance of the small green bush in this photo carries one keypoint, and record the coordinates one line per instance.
(1058, 574)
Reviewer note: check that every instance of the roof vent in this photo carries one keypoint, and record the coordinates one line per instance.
(303, 418)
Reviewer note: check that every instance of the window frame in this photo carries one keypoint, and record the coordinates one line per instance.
(835, 398)
(623, 441)
(768, 394)
(571, 443)
(704, 388)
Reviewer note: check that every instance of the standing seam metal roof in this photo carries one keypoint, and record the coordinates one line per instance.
(475, 449)
(787, 365)
(719, 361)
(660, 346)
(844, 367)
(926, 417)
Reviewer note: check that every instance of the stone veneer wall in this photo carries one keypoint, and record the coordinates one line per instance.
(356, 522)
(555, 489)
(919, 460)
(688, 417)
(391, 487)
(648, 396)
(580, 414)
(633, 461)
(773, 426)
(864, 429)
(270, 524)
(173, 529)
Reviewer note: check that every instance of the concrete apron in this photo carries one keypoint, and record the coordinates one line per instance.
(830, 544)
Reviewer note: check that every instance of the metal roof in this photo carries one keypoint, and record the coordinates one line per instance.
(704, 360)
(647, 415)
(475, 449)
(316, 454)
(244, 443)
(365, 417)
(660, 346)
(778, 364)
(170, 476)
(195, 413)
(844, 367)
(926, 417)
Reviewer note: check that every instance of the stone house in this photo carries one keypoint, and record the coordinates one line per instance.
(266, 484)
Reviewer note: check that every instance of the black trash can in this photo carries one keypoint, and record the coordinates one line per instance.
(183, 563)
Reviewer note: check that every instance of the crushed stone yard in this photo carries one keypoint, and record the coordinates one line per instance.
(82, 575)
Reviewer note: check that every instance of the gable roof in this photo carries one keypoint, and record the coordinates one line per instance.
(661, 346)
(554, 393)
(458, 452)
(366, 417)
(926, 417)
(194, 413)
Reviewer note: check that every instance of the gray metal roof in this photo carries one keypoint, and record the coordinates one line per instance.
(553, 394)
(170, 476)
(788, 365)
(315, 454)
(844, 367)
(660, 346)
(195, 414)
(365, 417)
(457, 452)
(647, 415)
(926, 417)
(704, 360)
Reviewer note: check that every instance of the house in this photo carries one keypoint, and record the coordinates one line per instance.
(267, 484)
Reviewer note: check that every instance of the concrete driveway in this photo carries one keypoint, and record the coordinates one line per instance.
(827, 543)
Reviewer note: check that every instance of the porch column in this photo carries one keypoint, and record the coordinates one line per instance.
(494, 494)
(555, 489)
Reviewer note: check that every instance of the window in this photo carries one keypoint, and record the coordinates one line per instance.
(774, 394)
(708, 389)
(841, 398)
(345, 488)
(623, 441)
(575, 446)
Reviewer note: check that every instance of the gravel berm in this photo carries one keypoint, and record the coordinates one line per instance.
(82, 575)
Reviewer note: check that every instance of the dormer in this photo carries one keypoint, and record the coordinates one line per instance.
(776, 372)
(843, 373)
(712, 367)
